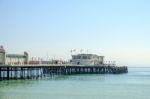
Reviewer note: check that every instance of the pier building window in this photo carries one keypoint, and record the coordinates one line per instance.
(89, 57)
(78, 57)
(84, 57)
(74, 57)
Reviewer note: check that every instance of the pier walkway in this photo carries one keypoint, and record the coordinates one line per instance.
(8, 72)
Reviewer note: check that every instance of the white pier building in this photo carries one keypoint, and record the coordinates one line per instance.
(13, 59)
(87, 59)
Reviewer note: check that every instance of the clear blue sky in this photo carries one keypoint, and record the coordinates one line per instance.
(118, 29)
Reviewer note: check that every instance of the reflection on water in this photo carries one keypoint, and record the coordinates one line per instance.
(134, 85)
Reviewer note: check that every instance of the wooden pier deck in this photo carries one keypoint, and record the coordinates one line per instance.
(38, 71)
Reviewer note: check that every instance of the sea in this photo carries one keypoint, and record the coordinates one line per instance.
(133, 85)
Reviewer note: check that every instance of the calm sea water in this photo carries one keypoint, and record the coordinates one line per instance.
(134, 85)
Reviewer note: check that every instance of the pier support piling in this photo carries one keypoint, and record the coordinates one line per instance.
(0, 74)
(7, 73)
(28, 72)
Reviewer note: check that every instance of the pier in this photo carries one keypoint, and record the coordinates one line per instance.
(18, 66)
(39, 71)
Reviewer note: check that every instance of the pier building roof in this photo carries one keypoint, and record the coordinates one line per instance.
(15, 55)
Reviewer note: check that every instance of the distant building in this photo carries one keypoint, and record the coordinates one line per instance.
(2, 55)
(87, 59)
(17, 59)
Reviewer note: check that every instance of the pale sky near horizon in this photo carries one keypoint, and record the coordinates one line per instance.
(117, 29)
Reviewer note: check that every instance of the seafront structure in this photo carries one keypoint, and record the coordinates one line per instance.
(77, 59)
(87, 59)
(2, 55)
(18, 66)
(23, 59)
(17, 59)
(13, 59)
